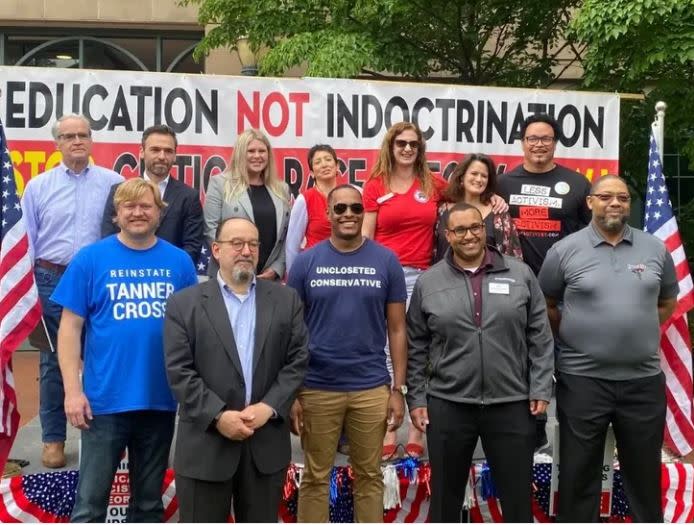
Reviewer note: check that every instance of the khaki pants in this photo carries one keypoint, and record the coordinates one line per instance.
(363, 414)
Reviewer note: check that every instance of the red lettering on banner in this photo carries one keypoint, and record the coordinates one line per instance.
(262, 109)
(533, 212)
(537, 225)
(299, 99)
(275, 98)
(246, 112)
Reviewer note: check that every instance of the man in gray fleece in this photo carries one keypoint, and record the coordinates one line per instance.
(480, 365)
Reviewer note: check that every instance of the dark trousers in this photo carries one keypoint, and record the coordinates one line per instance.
(585, 408)
(508, 438)
(147, 434)
(256, 496)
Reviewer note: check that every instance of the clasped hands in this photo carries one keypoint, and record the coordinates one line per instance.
(239, 425)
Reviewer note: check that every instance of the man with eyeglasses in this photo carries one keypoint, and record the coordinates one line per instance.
(117, 395)
(547, 202)
(62, 209)
(480, 363)
(354, 293)
(236, 352)
(617, 285)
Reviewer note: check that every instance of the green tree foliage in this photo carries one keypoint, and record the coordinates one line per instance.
(491, 42)
(644, 46)
(647, 46)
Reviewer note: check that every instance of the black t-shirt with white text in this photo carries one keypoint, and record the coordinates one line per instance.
(545, 207)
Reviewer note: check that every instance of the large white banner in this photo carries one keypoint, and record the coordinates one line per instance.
(208, 112)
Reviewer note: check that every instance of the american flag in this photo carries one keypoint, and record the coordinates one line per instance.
(675, 343)
(677, 491)
(204, 259)
(49, 497)
(20, 309)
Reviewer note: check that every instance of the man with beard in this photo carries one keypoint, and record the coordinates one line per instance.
(236, 354)
(116, 289)
(354, 293)
(480, 365)
(617, 285)
(181, 221)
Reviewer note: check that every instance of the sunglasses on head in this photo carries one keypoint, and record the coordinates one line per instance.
(356, 207)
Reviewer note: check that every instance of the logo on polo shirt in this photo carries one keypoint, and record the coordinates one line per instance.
(637, 269)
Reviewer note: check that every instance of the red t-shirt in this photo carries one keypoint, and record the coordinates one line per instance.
(318, 225)
(405, 222)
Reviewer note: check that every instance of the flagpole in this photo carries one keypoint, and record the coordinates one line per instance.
(659, 126)
(48, 334)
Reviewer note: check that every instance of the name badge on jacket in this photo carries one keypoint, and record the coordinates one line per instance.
(499, 288)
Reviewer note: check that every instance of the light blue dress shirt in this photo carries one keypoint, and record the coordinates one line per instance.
(241, 311)
(63, 210)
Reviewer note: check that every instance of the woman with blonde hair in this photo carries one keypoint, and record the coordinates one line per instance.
(251, 189)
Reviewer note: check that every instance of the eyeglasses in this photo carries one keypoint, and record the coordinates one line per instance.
(533, 140)
(356, 207)
(607, 197)
(238, 244)
(461, 231)
(70, 137)
(402, 144)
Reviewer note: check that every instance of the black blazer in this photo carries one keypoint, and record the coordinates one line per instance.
(205, 374)
(181, 221)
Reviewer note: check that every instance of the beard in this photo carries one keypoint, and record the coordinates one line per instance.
(613, 224)
(241, 276)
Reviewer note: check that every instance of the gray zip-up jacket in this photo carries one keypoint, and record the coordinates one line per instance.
(510, 357)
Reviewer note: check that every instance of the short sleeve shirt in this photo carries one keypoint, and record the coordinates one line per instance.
(405, 222)
(609, 325)
(545, 207)
(345, 297)
(121, 293)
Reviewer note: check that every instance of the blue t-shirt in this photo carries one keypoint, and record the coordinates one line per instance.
(345, 297)
(121, 293)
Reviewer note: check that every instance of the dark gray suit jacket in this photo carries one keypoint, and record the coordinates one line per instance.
(204, 371)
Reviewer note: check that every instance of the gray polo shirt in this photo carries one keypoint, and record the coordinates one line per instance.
(609, 327)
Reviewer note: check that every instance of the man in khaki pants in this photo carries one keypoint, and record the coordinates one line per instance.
(354, 292)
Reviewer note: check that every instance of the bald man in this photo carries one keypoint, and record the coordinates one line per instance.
(617, 285)
(236, 352)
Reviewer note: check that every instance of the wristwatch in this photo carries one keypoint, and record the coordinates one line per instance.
(402, 389)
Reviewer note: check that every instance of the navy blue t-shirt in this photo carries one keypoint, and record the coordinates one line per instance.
(345, 297)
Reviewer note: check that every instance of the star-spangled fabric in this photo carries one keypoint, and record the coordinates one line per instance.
(675, 342)
(204, 259)
(49, 497)
(20, 308)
